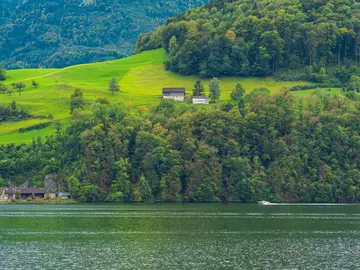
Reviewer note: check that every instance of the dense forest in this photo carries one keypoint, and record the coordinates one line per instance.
(276, 148)
(60, 33)
(259, 37)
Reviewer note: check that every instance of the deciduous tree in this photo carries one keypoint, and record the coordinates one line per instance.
(114, 86)
(77, 100)
(215, 89)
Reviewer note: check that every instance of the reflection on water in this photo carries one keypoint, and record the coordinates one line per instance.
(174, 236)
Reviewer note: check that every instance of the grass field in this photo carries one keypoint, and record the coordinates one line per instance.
(141, 79)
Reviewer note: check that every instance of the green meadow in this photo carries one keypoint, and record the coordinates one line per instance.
(141, 79)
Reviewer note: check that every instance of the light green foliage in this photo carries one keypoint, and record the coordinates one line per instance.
(238, 93)
(88, 193)
(214, 89)
(257, 92)
(120, 189)
(17, 194)
(77, 101)
(142, 191)
(114, 86)
(58, 126)
(73, 184)
(141, 77)
(3, 88)
(354, 84)
(2, 183)
(10, 92)
(163, 194)
(173, 46)
(206, 192)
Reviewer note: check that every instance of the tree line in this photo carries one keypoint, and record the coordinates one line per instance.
(256, 147)
(13, 112)
(258, 38)
(18, 86)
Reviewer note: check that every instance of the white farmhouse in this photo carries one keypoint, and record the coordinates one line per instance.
(200, 100)
(177, 94)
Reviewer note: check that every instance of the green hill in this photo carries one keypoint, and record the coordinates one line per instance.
(53, 33)
(141, 79)
(259, 38)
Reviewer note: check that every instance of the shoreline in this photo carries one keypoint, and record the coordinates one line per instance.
(51, 201)
(73, 201)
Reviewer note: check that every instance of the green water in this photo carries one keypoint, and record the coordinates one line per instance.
(175, 236)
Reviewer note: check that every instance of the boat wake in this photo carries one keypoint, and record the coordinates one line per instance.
(266, 203)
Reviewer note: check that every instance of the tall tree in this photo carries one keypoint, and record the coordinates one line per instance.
(114, 86)
(215, 89)
(2, 73)
(142, 192)
(198, 89)
(173, 46)
(3, 88)
(58, 126)
(77, 100)
(13, 105)
(238, 95)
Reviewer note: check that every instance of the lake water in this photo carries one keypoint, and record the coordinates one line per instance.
(176, 236)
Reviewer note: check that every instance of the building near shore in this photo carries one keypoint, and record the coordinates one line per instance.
(200, 100)
(10, 193)
(177, 94)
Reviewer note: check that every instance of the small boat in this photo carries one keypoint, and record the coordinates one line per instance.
(264, 203)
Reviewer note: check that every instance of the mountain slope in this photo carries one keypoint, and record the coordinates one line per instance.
(141, 79)
(50, 33)
(256, 38)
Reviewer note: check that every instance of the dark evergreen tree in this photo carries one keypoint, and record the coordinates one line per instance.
(2, 73)
(198, 89)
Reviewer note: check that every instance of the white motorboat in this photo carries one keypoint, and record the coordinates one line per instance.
(264, 203)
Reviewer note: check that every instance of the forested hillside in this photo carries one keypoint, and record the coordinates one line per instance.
(60, 33)
(276, 148)
(259, 37)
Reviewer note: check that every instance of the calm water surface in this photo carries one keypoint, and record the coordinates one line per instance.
(175, 236)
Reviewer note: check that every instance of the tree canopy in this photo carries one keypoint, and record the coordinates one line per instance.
(283, 149)
(257, 38)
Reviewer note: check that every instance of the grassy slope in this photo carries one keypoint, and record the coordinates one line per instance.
(141, 78)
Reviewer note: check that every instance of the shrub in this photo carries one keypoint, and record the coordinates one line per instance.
(303, 87)
(37, 126)
(115, 197)
(296, 75)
